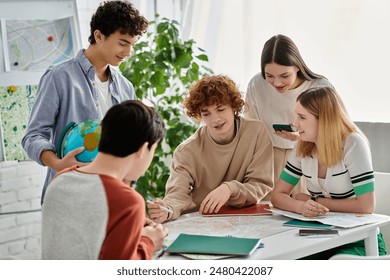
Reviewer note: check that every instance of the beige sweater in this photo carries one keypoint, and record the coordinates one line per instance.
(200, 165)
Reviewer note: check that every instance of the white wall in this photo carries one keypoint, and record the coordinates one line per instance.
(378, 134)
(20, 190)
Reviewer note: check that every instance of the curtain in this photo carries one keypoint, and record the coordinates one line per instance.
(346, 41)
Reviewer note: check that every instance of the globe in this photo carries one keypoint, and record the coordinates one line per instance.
(85, 134)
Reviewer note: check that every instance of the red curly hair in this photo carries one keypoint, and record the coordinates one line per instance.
(211, 90)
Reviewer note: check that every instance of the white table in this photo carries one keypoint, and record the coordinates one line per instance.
(280, 242)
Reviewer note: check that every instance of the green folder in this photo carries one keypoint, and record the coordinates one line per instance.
(306, 224)
(213, 245)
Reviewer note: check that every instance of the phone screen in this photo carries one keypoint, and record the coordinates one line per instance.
(280, 127)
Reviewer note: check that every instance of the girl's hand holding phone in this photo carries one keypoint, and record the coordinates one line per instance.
(286, 131)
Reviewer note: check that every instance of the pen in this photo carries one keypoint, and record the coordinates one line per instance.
(161, 207)
(162, 252)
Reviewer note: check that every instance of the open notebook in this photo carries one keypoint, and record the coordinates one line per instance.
(213, 245)
(252, 210)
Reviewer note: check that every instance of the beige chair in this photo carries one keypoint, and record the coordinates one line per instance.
(382, 197)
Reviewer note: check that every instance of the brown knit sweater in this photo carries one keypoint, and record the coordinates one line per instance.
(200, 165)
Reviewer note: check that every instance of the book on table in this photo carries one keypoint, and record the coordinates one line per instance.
(251, 210)
(307, 224)
(213, 245)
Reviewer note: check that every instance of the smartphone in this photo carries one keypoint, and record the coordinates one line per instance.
(280, 127)
(318, 232)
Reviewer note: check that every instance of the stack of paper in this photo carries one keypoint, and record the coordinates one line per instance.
(337, 219)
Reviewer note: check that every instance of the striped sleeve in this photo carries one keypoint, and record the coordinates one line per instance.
(291, 174)
(292, 171)
(363, 183)
(358, 160)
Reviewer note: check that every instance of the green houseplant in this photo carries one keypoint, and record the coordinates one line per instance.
(161, 68)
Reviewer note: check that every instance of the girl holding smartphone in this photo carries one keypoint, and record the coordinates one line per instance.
(271, 94)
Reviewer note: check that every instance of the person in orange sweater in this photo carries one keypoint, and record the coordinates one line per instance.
(229, 160)
(89, 212)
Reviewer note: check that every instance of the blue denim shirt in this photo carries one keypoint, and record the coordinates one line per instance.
(66, 93)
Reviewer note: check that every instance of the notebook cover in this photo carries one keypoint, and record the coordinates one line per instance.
(213, 245)
(306, 224)
(252, 210)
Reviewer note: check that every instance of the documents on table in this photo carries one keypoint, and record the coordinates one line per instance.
(239, 226)
(252, 210)
(337, 219)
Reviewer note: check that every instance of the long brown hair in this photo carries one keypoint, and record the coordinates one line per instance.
(281, 50)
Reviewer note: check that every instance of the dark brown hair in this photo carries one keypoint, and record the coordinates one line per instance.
(127, 126)
(281, 50)
(112, 16)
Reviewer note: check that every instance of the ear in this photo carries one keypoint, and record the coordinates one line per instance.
(98, 36)
(142, 150)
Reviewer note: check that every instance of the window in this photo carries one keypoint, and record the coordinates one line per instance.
(346, 41)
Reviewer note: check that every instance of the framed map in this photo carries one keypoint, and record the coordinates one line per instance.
(34, 35)
(15, 108)
(34, 45)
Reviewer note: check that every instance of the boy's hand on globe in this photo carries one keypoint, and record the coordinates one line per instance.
(70, 160)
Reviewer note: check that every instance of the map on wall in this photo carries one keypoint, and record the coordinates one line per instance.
(34, 45)
(15, 107)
